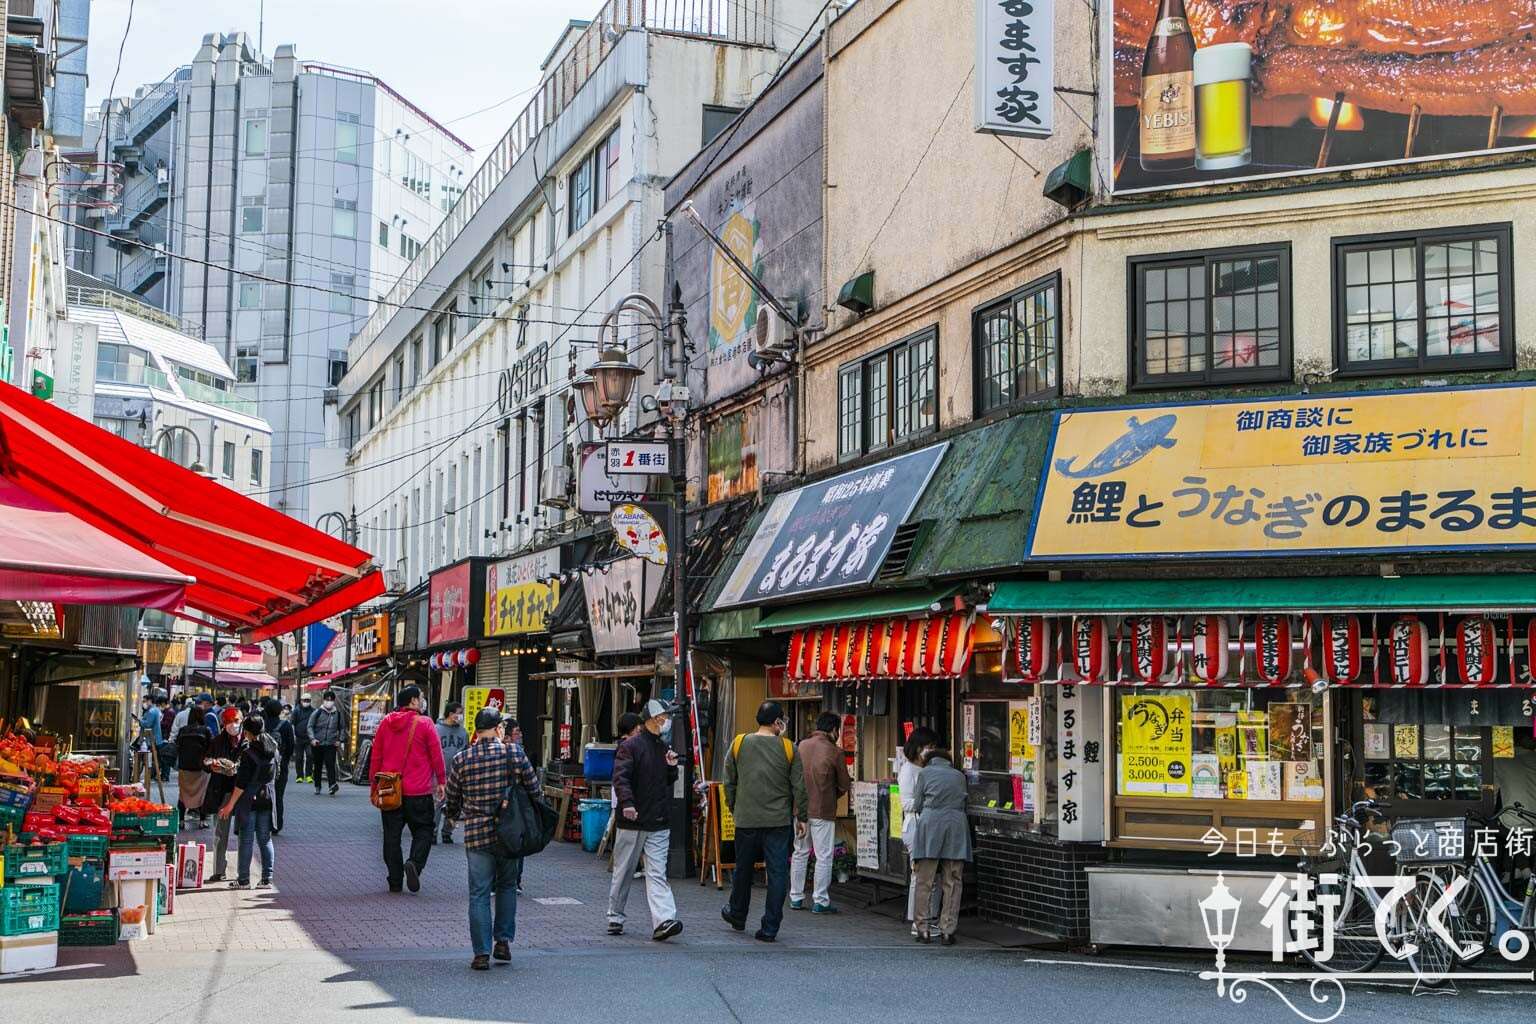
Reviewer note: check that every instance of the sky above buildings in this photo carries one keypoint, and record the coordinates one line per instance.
(453, 58)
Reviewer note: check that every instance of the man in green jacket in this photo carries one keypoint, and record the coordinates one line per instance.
(765, 790)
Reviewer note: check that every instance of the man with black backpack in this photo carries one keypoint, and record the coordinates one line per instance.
(478, 781)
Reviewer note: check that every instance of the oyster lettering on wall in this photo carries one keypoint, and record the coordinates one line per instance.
(1205, 90)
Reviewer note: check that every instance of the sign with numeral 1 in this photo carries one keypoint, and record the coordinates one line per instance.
(833, 533)
(650, 458)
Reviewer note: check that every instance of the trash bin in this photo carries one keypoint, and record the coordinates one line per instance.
(594, 822)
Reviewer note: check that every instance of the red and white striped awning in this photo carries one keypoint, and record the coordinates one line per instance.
(935, 647)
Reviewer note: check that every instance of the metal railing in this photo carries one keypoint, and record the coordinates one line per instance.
(197, 391)
(103, 298)
(744, 22)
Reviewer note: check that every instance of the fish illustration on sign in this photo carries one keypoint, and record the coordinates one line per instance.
(1127, 449)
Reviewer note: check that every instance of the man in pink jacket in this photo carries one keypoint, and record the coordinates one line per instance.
(407, 743)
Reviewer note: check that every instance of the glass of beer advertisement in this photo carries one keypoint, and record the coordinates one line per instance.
(1215, 90)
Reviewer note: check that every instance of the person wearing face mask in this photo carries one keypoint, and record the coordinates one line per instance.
(327, 732)
(765, 790)
(452, 737)
(643, 773)
(223, 756)
(406, 742)
(302, 762)
(192, 742)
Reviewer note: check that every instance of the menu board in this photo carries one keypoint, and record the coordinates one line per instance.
(866, 817)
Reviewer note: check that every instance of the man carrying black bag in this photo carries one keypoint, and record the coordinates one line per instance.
(481, 779)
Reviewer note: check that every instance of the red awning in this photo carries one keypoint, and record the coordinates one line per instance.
(46, 554)
(233, 680)
(256, 568)
(935, 647)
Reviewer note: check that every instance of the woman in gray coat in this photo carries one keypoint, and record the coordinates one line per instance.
(941, 845)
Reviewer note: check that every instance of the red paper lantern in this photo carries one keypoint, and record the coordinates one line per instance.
(1208, 646)
(957, 645)
(1272, 647)
(1032, 647)
(435, 662)
(471, 657)
(1341, 649)
(1477, 651)
(1408, 653)
(1149, 647)
(1090, 647)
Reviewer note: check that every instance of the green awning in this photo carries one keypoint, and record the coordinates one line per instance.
(1464, 593)
(874, 606)
(730, 624)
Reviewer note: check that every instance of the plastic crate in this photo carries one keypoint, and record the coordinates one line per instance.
(95, 929)
(147, 824)
(16, 792)
(87, 847)
(25, 909)
(11, 817)
(36, 861)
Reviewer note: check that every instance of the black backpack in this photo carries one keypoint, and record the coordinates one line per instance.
(524, 826)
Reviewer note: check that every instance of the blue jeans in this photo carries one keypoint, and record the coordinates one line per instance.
(492, 876)
(772, 847)
(256, 827)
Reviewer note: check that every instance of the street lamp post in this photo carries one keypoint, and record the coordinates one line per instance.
(167, 431)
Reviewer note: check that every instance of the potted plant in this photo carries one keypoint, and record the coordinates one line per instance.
(843, 863)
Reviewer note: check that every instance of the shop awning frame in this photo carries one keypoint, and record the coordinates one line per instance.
(624, 672)
(880, 605)
(255, 567)
(1461, 594)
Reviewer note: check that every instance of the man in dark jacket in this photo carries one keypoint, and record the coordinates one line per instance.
(643, 773)
(302, 762)
(826, 781)
(327, 734)
(281, 731)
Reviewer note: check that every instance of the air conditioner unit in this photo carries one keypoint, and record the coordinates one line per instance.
(773, 337)
(557, 487)
(330, 396)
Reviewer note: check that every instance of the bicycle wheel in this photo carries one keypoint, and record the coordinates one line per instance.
(1356, 948)
(1471, 921)
(1434, 960)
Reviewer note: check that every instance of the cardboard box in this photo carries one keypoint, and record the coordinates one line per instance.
(189, 874)
(136, 904)
(36, 952)
(147, 864)
(168, 891)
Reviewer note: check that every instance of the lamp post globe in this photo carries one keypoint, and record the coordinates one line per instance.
(586, 388)
(614, 377)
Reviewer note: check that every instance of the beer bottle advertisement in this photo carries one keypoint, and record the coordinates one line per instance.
(1287, 92)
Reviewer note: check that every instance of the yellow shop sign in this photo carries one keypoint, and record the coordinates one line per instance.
(1395, 471)
(520, 593)
(1156, 744)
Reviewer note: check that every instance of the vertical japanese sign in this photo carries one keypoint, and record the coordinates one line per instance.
(1392, 471)
(833, 533)
(1015, 67)
(616, 602)
(1079, 763)
(866, 818)
(519, 594)
(448, 597)
(1156, 743)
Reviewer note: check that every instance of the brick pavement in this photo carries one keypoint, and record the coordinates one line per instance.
(330, 895)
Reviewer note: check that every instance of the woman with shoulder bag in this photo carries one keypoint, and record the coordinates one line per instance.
(251, 801)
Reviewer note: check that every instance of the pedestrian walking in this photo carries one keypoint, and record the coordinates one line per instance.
(251, 800)
(826, 782)
(918, 743)
(165, 752)
(223, 760)
(477, 785)
(406, 743)
(644, 770)
(512, 733)
(765, 790)
(941, 844)
(192, 743)
(327, 733)
(452, 737)
(302, 759)
(147, 742)
(281, 730)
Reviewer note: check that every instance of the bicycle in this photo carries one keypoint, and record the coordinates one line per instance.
(1356, 946)
(1486, 911)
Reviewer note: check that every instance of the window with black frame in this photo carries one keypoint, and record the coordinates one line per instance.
(889, 396)
(1437, 744)
(1436, 301)
(1018, 346)
(1212, 318)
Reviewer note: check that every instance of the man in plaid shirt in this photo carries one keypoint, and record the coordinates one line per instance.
(477, 781)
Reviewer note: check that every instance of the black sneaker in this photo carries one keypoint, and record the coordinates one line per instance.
(737, 923)
(212, 879)
(335, 789)
(502, 951)
(265, 883)
(615, 929)
(447, 839)
(412, 876)
(666, 930)
(762, 936)
(481, 962)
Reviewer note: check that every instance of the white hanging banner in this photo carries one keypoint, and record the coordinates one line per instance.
(1079, 763)
(1015, 67)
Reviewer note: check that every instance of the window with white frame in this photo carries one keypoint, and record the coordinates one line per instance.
(255, 137)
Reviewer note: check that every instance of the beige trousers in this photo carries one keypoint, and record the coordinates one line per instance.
(948, 874)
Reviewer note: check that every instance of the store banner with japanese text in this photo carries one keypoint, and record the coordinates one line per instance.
(448, 600)
(519, 594)
(1156, 744)
(833, 533)
(370, 637)
(1392, 471)
(478, 698)
(1015, 67)
(1210, 90)
(1079, 763)
(616, 602)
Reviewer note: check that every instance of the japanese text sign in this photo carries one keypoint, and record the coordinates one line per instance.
(1156, 743)
(833, 533)
(1015, 67)
(370, 636)
(448, 597)
(646, 458)
(519, 594)
(1079, 762)
(616, 602)
(1397, 471)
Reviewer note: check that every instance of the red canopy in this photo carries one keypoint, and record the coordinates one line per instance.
(254, 567)
(46, 554)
